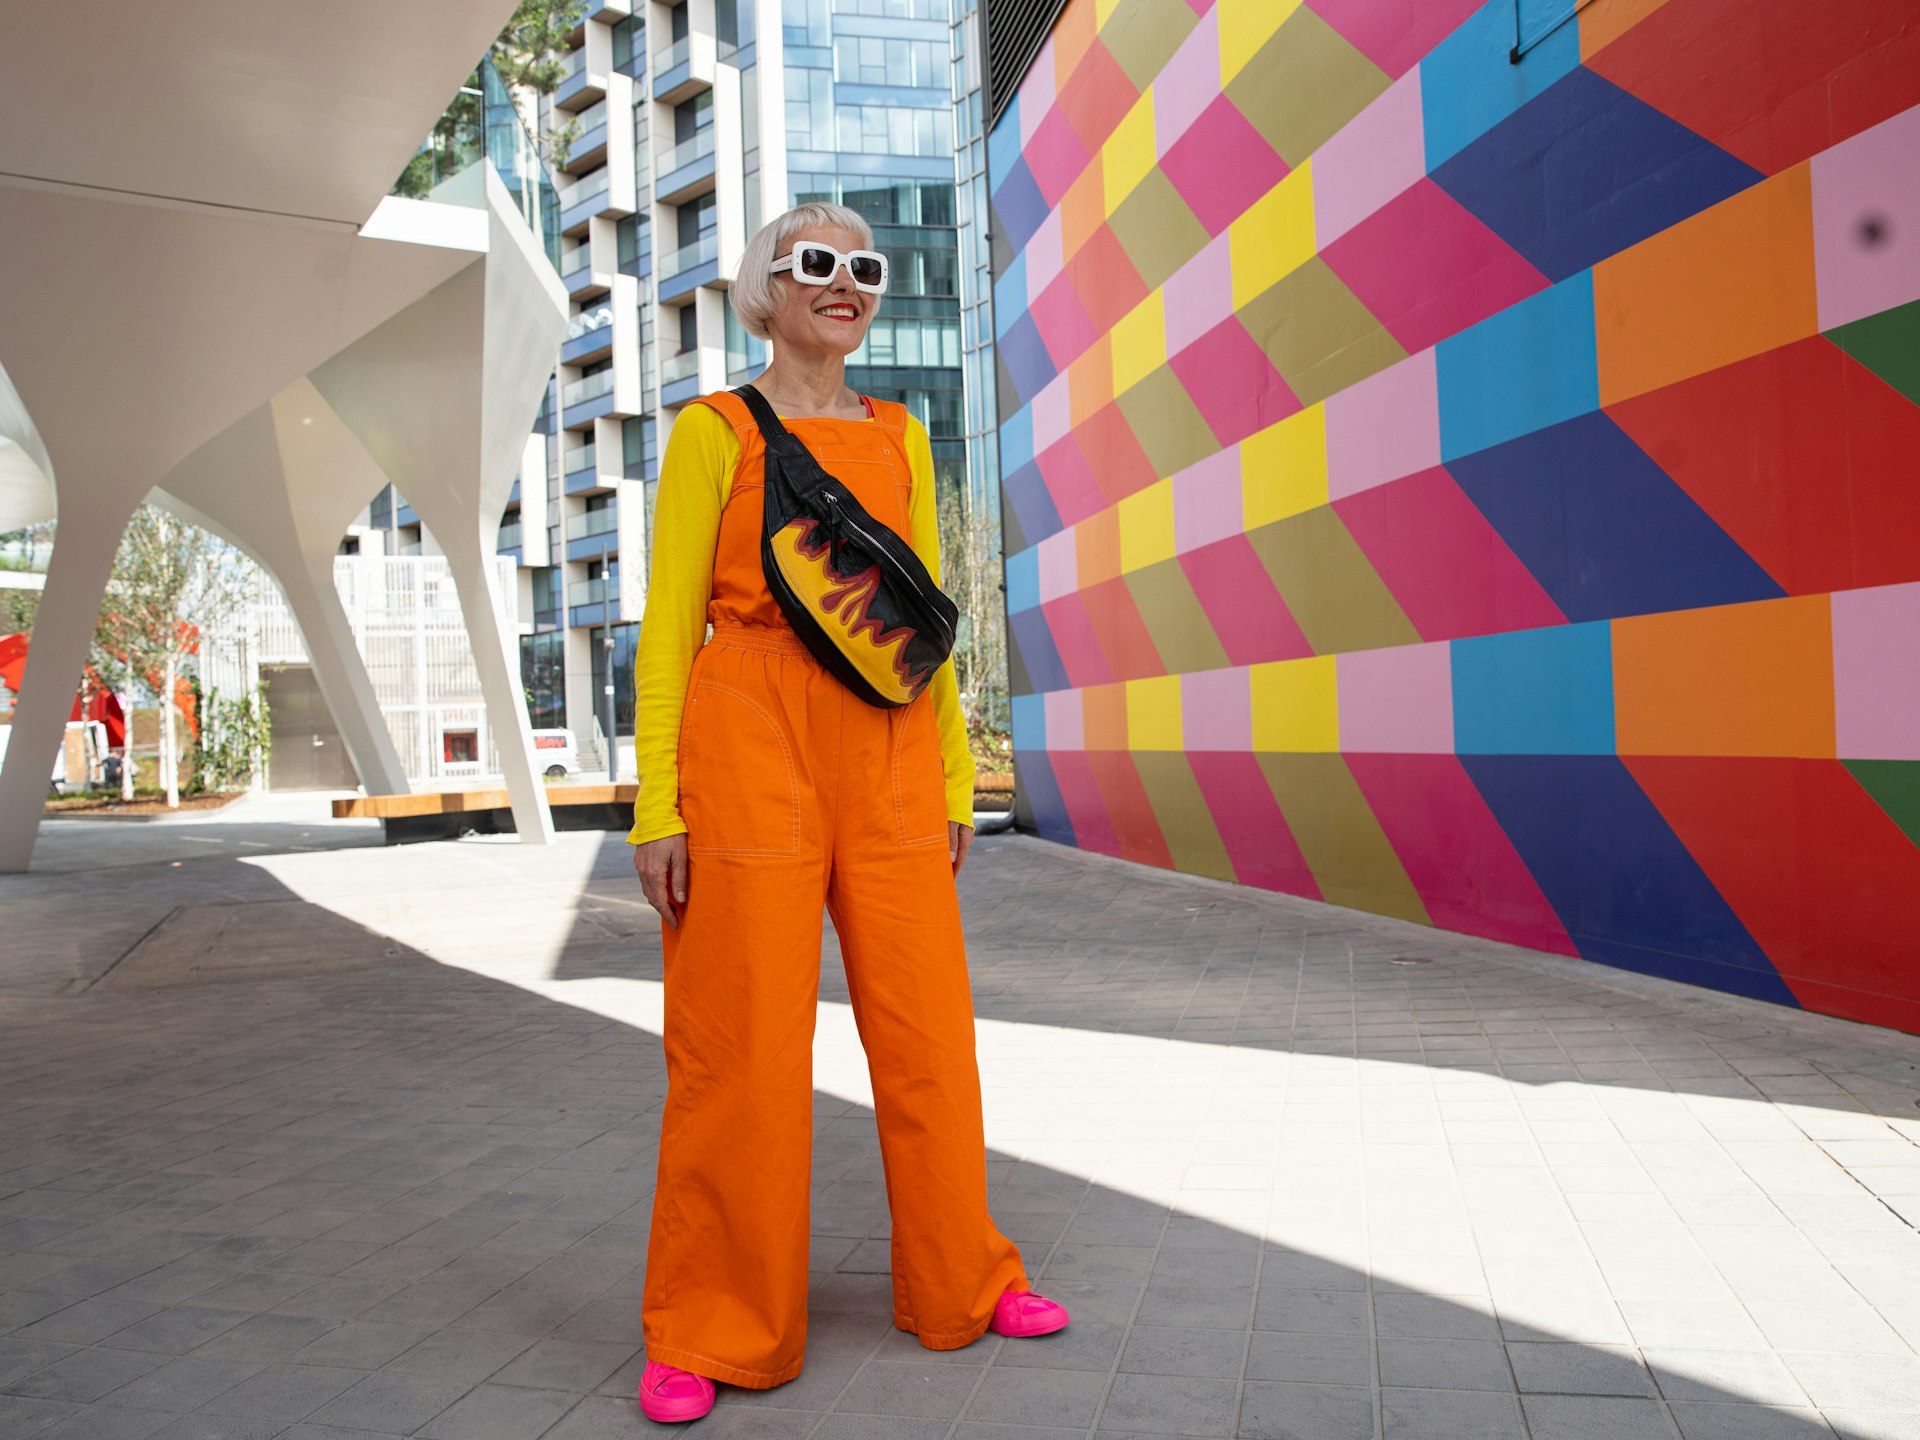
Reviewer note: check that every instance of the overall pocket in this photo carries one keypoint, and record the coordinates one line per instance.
(919, 782)
(739, 791)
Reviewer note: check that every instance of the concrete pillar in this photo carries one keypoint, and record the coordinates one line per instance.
(77, 576)
(342, 676)
(496, 655)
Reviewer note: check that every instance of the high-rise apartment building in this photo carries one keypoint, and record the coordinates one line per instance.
(690, 124)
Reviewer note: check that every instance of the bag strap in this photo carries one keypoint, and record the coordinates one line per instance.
(771, 430)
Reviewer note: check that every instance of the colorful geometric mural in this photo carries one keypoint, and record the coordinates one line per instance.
(1485, 493)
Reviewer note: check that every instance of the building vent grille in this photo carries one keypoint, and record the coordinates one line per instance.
(1016, 29)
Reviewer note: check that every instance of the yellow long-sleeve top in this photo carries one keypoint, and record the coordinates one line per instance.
(695, 479)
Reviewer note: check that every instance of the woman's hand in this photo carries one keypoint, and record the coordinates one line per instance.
(662, 866)
(959, 837)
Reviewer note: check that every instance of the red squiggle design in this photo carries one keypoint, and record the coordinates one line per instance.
(849, 599)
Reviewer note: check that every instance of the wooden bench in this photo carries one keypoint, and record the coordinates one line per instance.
(449, 814)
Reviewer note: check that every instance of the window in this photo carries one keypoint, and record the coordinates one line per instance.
(543, 677)
(630, 44)
(460, 747)
(625, 638)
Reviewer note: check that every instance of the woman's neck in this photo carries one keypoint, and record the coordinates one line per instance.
(810, 385)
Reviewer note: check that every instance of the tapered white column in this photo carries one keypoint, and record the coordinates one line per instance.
(77, 576)
(342, 676)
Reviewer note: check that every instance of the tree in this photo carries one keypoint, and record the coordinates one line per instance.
(970, 574)
(528, 55)
(170, 580)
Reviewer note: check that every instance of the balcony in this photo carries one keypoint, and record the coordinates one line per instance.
(592, 534)
(690, 266)
(585, 400)
(580, 86)
(680, 377)
(685, 170)
(683, 69)
(583, 282)
(586, 198)
(593, 602)
(589, 147)
(581, 472)
(510, 541)
(612, 9)
(589, 336)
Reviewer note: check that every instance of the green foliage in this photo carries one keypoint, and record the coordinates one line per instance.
(235, 739)
(528, 55)
(528, 52)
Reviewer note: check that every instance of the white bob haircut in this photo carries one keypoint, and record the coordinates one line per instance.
(756, 294)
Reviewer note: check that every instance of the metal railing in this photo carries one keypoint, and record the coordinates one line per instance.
(594, 182)
(680, 366)
(591, 118)
(594, 317)
(687, 256)
(674, 54)
(510, 537)
(585, 457)
(687, 151)
(588, 387)
(592, 522)
(593, 592)
(483, 123)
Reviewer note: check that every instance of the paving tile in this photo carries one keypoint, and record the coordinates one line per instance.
(1450, 1415)
(1151, 1350)
(88, 1322)
(1318, 1312)
(285, 1393)
(183, 1384)
(390, 1403)
(1310, 1359)
(1033, 1397)
(175, 1331)
(930, 1391)
(1858, 1382)
(1271, 1410)
(1545, 1368)
(1170, 1404)
(500, 1412)
(577, 1365)
(1444, 1365)
(1753, 1376)
(109, 1422)
(1595, 1417)
(1723, 1421)
(86, 1375)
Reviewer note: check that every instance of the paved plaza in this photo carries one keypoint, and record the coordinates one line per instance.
(310, 1138)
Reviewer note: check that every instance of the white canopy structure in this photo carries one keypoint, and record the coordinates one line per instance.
(206, 299)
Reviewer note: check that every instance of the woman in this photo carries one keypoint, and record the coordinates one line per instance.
(768, 788)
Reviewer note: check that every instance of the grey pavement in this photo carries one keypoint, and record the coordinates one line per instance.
(306, 1137)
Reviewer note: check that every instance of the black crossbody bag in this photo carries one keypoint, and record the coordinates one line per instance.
(852, 589)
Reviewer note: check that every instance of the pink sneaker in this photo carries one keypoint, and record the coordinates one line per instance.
(668, 1393)
(1024, 1313)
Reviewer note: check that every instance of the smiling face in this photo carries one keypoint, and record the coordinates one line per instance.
(830, 318)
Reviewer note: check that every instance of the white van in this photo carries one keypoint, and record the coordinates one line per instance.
(556, 753)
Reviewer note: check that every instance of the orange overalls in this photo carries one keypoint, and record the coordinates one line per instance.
(795, 793)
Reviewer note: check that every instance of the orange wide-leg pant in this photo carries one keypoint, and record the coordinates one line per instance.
(796, 793)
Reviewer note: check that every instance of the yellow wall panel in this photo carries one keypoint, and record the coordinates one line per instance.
(1139, 342)
(1153, 713)
(1246, 25)
(1274, 237)
(1146, 526)
(1129, 152)
(1295, 705)
(1283, 468)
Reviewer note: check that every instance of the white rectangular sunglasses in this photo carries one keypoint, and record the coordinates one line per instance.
(815, 264)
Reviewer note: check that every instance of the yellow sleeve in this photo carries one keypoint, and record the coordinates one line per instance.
(923, 525)
(695, 476)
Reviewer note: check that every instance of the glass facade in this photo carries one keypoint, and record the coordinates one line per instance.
(543, 675)
(626, 637)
